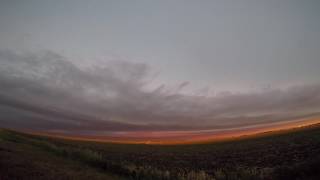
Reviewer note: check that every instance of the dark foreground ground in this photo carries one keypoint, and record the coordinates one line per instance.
(290, 155)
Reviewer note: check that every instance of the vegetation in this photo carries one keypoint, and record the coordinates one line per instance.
(291, 155)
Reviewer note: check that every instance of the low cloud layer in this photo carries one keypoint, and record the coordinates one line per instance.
(47, 92)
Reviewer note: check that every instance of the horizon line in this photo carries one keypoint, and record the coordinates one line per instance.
(186, 137)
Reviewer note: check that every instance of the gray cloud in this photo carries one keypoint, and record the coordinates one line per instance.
(45, 91)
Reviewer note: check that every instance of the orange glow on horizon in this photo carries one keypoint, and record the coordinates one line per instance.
(188, 137)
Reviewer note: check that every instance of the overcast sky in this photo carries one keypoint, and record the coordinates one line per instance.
(110, 66)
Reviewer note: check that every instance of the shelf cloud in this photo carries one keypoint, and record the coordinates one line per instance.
(45, 91)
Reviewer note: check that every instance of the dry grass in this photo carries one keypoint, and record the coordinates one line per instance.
(294, 155)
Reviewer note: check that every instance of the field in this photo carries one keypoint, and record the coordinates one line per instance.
(285, 155)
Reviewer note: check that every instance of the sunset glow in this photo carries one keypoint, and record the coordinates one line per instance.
(132, 72)
(160, 90)
(190, 137)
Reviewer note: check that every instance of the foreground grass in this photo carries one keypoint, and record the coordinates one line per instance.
(25, 158)
(292, 155)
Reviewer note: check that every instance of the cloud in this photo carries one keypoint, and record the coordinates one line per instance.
(45, 91)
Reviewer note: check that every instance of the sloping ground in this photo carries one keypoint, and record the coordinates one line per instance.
(21, 160)
(289, 155)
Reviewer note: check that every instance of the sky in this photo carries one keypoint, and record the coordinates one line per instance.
(123, 67)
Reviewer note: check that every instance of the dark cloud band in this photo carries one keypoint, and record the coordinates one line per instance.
(45, 91)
